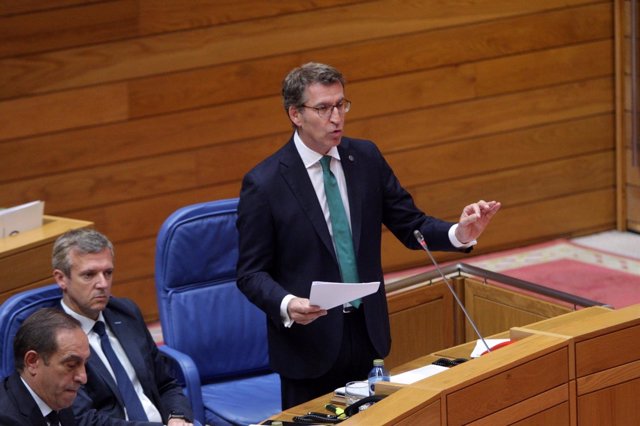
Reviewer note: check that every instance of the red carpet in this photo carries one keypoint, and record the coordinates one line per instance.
(562, 265)
(583, 271)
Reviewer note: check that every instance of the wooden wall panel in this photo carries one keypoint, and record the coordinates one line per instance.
(504, 151)
(629, 175)
(57, 111)
(522, 224)
(12, 7)
(120, 112)
(170, 52)
(73, 26)
(143, 217)
(484, 116)
(98, 22)
(159, 16)
(633, 198)
(447, 46)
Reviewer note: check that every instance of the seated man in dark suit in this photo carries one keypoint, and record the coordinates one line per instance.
(50, 351)
(127, 378)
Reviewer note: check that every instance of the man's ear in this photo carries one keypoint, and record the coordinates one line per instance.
(295, 116)
(60, 278)
(31, 359)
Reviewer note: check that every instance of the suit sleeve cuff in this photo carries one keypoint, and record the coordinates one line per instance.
(456, 243)
(284, 314)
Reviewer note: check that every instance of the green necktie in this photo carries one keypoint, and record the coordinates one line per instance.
(340, 225)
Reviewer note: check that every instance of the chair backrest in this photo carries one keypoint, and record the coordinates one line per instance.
(202, 312)
(14, 311)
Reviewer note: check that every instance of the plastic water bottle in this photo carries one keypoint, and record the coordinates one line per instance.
(377, 374)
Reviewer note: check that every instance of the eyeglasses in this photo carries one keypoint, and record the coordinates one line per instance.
(325, 111)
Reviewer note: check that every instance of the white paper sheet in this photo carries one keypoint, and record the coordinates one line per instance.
(480, 347)
(328, 295)
(417, 374)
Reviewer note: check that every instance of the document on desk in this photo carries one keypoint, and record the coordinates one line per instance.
(480, 348)
(328, 295)
(417, 374)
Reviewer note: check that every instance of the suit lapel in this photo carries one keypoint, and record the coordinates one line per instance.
(294, 173)
(25, 402)
(96, 364)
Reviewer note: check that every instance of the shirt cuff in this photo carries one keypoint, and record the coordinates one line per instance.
(284, 314)
(456, 243)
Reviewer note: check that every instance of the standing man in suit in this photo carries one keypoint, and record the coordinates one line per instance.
(295, 228)
(50, 352)
(127, 379)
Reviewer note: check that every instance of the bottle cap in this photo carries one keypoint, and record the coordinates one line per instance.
(378, 362)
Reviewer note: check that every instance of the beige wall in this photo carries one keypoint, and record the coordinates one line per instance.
(119, 112)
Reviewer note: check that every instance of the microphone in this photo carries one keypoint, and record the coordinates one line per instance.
(418, 235)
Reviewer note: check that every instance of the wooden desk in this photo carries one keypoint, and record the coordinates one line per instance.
(579, 368)
(25, 259)
(606, 347)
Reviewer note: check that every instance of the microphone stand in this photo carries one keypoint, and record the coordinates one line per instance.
(418, 235)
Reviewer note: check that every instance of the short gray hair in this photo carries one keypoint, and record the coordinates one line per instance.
(83, 241)
(295, 83)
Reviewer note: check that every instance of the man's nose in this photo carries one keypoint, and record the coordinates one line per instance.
(335, 116)
(103, 281)
(81, 375)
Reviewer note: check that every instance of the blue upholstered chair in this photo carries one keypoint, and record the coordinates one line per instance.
(15, 310)
(217, 336)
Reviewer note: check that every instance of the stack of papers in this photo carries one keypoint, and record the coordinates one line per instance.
(21, 218)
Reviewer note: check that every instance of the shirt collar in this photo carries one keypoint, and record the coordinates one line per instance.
(309, 156)
(86, 323)
(44, 408)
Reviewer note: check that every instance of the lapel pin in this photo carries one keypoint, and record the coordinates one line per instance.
(351, 158)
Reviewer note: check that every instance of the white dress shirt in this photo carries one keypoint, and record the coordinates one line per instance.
(311, 161)
(94, 340)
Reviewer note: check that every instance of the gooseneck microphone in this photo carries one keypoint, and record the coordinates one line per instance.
(423, 244)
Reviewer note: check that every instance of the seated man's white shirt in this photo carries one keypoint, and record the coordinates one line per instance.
(94, 340)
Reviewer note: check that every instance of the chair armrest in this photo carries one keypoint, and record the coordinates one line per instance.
(190, 378)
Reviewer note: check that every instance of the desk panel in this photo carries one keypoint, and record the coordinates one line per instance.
(608, 350)
(507, 388)
(548, 408)
(614, 405)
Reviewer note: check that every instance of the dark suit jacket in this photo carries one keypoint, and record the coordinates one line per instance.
(285, 245)
(98, 402)
(17, 407)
